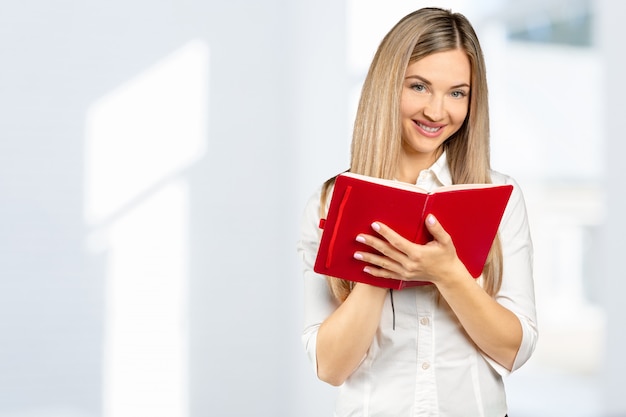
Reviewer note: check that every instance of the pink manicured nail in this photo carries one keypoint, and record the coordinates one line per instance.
(430, 219)
(376, 226)
(358, 256)
(360, 238)
(366, 270)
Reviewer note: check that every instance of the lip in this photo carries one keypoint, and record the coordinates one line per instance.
(429, 129)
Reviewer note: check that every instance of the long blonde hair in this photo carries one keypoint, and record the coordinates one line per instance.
(377, 138)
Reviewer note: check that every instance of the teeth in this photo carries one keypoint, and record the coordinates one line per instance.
(428, 128)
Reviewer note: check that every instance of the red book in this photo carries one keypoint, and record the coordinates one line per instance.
(470, 213)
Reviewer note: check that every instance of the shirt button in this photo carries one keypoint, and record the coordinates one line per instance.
(425, 365)
(424, 321)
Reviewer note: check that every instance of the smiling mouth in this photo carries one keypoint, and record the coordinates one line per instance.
(429, 129)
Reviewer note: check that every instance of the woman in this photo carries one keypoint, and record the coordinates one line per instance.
(423, 119)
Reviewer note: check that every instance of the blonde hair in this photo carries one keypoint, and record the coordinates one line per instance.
(377, 138)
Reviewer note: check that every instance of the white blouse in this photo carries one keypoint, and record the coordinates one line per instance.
(427, 366)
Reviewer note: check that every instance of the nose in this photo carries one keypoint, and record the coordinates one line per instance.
(434, 109)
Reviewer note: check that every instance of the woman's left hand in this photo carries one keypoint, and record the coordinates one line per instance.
(494, 328)
(405, 260)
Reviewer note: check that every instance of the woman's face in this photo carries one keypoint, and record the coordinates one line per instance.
(434, 103)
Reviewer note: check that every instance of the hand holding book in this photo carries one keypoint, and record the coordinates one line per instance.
(399, 259)
(469, 213)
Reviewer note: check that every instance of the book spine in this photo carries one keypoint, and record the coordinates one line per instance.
(331, 245)
(421, 233)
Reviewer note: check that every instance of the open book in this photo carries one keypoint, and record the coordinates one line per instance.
(470, 213)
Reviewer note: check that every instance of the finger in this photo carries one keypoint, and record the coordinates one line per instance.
(382, 269)
(379, 261)
(380, 272)
(436, 229)
(381, 246)
(393, 238)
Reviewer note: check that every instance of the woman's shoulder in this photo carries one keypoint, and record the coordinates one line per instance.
(500, 178)
(517, 196)
(517, 202)
(320, 196)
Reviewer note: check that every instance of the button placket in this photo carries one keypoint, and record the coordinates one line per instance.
(425, 383)
(426, 341)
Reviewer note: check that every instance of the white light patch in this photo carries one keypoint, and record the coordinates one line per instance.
(140, 139)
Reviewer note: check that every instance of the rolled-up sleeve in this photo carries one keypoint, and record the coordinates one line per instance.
(517, 291)
(318, 301)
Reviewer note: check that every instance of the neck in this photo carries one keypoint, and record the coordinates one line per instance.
(411, 165)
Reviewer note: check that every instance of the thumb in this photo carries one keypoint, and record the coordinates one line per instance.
(435, 229)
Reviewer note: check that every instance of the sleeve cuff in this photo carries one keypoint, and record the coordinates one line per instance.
(527, 347)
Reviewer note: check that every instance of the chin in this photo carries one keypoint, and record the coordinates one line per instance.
(422, 149)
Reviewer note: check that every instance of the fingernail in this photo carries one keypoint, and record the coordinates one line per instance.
(430, 219)
(366, 270)
(358, 256)
(376, 226)
(360, 238)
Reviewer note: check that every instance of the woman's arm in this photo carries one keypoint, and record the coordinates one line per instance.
(495, 329)
(345, 336)
(336, 335)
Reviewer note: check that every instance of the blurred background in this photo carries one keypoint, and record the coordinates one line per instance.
(155, 157)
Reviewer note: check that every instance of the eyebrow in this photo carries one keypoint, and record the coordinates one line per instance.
(425, 81)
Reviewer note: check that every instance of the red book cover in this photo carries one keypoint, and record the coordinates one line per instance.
(470, 213)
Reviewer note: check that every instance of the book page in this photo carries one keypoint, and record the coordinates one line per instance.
(412, 187)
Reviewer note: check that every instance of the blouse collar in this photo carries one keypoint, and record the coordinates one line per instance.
(439, 173)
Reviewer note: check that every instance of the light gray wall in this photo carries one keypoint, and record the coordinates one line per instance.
(612, 33)
(277, 127)
(277, 106)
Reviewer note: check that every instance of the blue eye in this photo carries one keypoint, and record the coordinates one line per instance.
(458, 94)
(419, 87)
